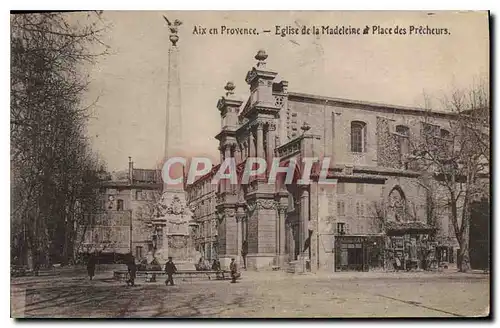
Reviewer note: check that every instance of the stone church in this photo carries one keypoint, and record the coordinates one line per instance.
(378, 209)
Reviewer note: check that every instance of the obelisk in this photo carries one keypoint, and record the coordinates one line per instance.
(173, 126)
(176, 218)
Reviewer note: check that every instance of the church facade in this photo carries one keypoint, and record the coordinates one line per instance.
(378, 209)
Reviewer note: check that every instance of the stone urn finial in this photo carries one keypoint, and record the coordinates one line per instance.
(261, 56)
(229, 88)
(174, 38)
(305, 127)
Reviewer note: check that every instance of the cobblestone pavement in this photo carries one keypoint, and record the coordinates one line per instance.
(273, 294)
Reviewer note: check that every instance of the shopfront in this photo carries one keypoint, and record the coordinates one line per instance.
(411, 246)
(358, 253)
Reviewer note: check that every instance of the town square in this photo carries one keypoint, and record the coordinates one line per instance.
(256, 295)
(162, 169)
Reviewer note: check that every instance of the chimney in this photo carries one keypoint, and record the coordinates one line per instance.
(130, 170)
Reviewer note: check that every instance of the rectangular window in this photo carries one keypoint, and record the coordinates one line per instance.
(340, 208)
(341, 228)
(119, 205)
(138, 195)
(356, 142)
(138, 252)
(360, 188)
(340, 188)
(360, 209)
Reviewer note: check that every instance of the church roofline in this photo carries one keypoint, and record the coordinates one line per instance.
(365, 104)
(204, 177)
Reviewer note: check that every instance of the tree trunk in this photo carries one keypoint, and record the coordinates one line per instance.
(464, 262)
(463, 259)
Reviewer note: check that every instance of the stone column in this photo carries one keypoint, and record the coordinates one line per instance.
(291, 242)
(304, 218)
(228, 244)
(227, 182)
(270, 144)
(282, 232)
(251, 145)
(260, 140)
(277, 234)
(237, 154)
(240, 215)
(221, 151)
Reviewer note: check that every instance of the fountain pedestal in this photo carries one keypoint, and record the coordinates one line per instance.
(174, 228)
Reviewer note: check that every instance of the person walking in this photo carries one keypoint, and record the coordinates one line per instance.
(132, 270)
(91, 263)
(234, 270)
(170, 269)
(244, 252)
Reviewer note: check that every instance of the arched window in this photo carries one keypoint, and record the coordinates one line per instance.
(358, 137)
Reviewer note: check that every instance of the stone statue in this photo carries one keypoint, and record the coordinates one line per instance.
(174, 29)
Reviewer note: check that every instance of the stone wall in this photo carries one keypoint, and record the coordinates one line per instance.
(266, 230)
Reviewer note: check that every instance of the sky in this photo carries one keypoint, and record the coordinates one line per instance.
(131, 82)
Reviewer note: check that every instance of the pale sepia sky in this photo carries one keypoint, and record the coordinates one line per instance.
(130, 115)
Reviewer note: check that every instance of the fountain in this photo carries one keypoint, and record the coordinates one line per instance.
(174, 230)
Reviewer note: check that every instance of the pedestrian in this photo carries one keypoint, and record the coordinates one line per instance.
(91, 263)
(170, 269)
(244, 252)
(234, 270)
(397, 263)
(214, 265)
(132, 270)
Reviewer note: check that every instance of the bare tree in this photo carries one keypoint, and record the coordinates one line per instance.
(377, 212)
(457, 157)
(54, 171)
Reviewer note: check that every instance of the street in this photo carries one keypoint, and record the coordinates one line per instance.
(257, 295)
